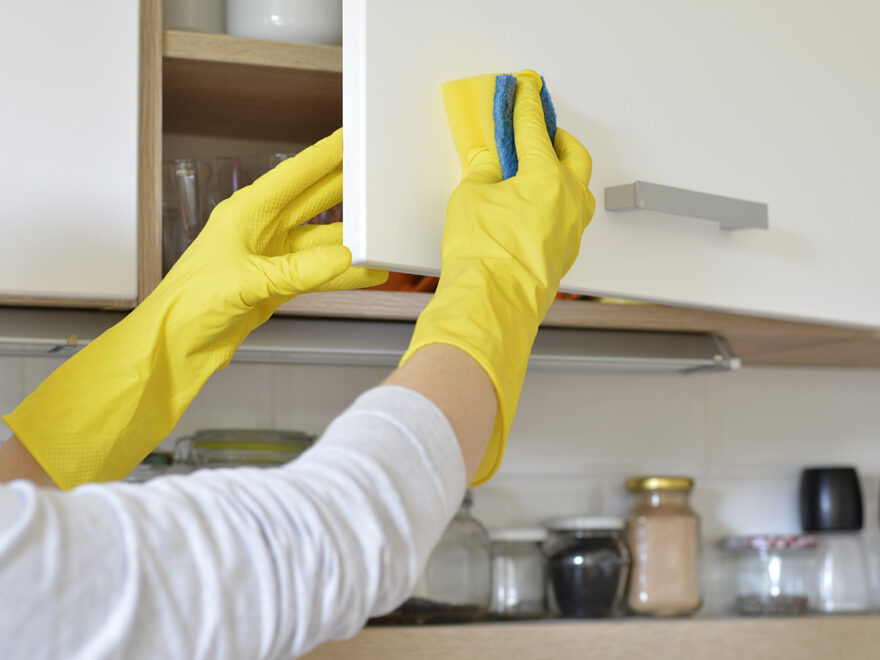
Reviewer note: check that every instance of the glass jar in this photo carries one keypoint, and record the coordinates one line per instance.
(455, 586)
(587, 566)
(519, 573)
(774, 574)
(832, 509)
(663, 533)
(193, 187)
(843, 583)
(216, 448)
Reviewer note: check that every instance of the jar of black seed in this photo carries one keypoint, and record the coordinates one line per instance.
(587, 565)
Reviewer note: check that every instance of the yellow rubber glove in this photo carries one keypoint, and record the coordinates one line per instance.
(506, 244)
(98, 415)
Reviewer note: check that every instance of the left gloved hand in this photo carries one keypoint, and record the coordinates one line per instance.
(105, 409)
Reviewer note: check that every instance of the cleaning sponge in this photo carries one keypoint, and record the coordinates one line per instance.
(480, 113)
(502, 113)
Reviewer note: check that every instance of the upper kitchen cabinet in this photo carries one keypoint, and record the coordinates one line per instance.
(757, 100)
(69, 125)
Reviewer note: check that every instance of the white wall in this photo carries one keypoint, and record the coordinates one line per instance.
(743, 436)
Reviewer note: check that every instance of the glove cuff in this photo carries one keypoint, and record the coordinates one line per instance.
(494, 323)
(101, 412)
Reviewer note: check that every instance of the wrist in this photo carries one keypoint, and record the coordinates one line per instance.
(509, 302)
(493, 319)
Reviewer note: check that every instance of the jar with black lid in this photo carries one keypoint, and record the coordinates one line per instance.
(832, 509)
(587, 565)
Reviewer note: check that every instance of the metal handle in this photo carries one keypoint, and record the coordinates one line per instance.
(730, 213)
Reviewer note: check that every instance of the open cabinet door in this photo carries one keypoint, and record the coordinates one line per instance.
(743, 99)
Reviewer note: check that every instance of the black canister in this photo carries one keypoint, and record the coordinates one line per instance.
(832, 509)
(831, 500)
(587, 566)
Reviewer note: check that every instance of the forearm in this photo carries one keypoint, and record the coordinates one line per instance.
(107, 406)
(486, 324)
(453, 380)
(234, 563)
(459, 386)
(16, 462)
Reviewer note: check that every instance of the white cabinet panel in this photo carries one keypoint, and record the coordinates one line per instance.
(68, 126)
(764, 100)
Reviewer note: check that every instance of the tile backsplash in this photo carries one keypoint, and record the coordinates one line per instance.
(743, 436)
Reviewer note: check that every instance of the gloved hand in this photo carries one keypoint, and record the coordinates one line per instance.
(506, 245)
(98, 415)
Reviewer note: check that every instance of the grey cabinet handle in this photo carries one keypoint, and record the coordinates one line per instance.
(730, 213)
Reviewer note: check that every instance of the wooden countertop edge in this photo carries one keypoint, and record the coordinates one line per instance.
(850, 637)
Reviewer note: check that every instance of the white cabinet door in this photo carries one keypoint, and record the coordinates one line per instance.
(771, 101)
(68, 128)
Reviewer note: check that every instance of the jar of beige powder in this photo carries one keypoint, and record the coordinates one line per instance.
(663, 534)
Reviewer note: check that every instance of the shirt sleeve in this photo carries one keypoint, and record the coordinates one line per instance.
(237, 563)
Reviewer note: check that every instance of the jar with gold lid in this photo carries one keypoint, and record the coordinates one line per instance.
(663, 534)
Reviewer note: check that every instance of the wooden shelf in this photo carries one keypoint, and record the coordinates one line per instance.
(851, 637)
(215, 84)
(757, 341)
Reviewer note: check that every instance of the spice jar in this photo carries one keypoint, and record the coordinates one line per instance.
(519, 573)
(216, 448)
(455, 586)
(774, 574)
(663, 533)
(587, 566)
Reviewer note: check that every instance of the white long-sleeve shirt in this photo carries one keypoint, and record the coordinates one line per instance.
(237, 563)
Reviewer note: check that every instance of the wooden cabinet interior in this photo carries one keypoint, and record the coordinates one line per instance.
(219, 85)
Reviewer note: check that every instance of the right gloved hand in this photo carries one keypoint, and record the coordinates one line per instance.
(506, 246)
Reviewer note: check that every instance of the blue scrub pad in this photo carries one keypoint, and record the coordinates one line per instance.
(505, 93)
